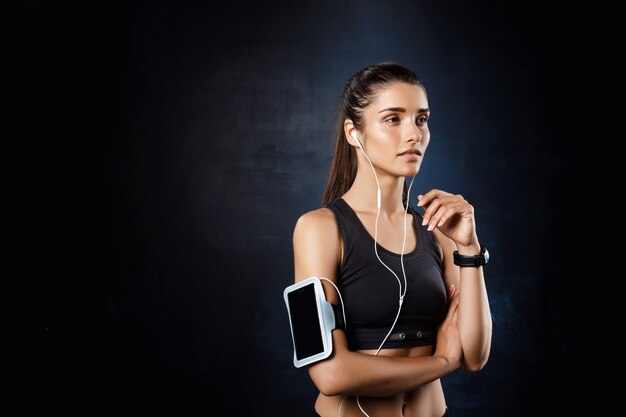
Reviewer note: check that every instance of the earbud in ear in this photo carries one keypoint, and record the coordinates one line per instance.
(354, 136)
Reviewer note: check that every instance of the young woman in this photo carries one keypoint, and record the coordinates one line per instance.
(378, 250)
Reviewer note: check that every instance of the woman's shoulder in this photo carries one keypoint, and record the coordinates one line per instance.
(317, 244)
(321, 218)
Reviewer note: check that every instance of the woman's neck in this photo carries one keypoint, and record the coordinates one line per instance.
(362, 195)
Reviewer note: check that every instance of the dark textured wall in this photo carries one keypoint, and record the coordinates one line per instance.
(183, 141)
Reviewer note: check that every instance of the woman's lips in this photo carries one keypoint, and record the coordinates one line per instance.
(410, 155)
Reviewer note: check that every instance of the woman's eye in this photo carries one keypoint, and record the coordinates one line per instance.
(422, 120)
(392, 119)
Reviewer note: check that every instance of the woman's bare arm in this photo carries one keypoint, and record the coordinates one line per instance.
(318, 252)
(451, 218)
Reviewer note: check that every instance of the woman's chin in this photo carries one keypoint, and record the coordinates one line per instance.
(411, 172)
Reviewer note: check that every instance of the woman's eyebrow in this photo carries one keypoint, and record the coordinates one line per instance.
(403, 110)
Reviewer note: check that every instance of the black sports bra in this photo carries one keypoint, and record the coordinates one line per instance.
(370, 292)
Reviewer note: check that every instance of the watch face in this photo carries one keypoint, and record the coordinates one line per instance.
(486, 255)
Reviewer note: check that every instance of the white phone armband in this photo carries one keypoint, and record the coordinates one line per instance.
(312, 320)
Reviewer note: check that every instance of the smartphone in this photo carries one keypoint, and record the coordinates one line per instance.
(311, 319)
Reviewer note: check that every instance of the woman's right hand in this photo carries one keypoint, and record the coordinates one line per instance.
(448, 344)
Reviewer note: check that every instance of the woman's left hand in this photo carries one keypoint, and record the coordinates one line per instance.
(451, 214)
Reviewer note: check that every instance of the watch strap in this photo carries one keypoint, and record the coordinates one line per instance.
(473, 260)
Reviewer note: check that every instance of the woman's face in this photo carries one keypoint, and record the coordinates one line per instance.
(396, 129)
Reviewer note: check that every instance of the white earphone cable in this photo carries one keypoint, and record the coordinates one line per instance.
(402, 292)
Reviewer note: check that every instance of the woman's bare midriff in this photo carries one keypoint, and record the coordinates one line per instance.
(426, 401)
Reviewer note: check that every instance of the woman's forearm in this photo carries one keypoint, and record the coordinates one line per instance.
(474, 318)
(354, 373)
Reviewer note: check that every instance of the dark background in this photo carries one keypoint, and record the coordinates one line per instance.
(165, 150)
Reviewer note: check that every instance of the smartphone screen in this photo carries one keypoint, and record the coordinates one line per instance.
(305, 322)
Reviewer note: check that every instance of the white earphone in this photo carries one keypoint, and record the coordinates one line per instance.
(355, 136)
(378, 195)
(401, 293)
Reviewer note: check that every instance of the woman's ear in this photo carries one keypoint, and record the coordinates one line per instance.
(351, 133)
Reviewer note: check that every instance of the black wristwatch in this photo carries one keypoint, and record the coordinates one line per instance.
(476, 260)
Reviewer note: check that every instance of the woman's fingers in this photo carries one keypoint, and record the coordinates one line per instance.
(454, 302)
(455, 310)
(451, 290)
(446, 212)
(440, 206)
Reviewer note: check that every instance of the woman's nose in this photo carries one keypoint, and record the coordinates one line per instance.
(414, 134)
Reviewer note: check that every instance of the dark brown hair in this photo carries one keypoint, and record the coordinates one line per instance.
(359, 92)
